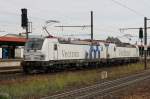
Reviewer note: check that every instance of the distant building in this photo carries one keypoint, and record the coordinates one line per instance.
(14, 35)
(11, 46)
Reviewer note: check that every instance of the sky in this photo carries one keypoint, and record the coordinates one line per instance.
(109, 17)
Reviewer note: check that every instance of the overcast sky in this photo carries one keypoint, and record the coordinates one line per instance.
(109, 16)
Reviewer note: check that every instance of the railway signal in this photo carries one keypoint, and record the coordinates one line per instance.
(24, 18)
(25, 22)
(141, 33)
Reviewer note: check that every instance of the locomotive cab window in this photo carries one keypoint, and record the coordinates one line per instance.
(34, 44)
(55, 47)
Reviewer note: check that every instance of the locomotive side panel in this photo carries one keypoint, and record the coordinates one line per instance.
(102, 51)
(68, 51)
(72, 51)
(125, 52)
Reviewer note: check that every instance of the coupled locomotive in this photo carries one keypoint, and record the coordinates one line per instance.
(46, 54)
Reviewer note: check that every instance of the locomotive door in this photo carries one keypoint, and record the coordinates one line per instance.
(55, 55)
(107, 52)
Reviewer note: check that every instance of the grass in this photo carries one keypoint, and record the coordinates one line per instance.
(40, 85)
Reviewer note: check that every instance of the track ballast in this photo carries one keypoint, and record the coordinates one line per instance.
(102, 89)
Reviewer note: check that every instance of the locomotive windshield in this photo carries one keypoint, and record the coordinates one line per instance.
(34, 43)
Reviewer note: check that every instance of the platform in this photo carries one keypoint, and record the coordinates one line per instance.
(10, 63)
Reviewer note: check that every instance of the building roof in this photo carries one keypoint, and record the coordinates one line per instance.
(14, 35)
(13, 39)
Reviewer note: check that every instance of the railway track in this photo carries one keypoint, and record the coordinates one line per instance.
(102, 89)
(6, 70)
(12, 72)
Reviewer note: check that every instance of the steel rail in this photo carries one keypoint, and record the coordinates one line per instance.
(97, 86)
(110, 89)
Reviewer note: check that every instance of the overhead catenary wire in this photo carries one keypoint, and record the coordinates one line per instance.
(130, 9)
(112, 0)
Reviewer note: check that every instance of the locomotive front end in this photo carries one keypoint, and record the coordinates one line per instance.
(33, 54)
(33, 50)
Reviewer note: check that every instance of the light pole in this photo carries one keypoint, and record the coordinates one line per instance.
(92, 27)
(145, 42)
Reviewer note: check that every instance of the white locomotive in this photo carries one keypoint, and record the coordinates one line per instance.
(53, 53)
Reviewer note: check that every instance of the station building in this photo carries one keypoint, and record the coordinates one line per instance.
(11, 46)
